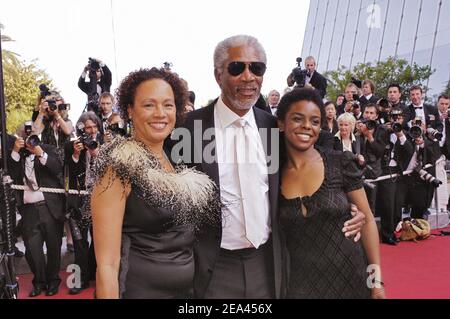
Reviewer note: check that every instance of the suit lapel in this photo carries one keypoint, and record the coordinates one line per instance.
(264, 121)
(211, 169)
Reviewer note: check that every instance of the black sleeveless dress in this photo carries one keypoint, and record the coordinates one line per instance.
(162, 213)
(157, 256)
(323, 262)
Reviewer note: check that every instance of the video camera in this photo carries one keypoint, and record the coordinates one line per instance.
(299, 74)
(31, 139)
(85, 138)
(94, 65)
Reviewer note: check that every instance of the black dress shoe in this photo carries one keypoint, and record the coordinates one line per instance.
(390, 241)
(36, 291)
(76, 291)
(52, 290)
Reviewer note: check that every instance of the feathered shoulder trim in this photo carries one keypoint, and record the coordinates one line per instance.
(191, 194)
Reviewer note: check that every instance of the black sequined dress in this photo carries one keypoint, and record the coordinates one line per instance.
(323, 262)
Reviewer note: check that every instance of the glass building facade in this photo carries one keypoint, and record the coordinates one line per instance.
(348, 32)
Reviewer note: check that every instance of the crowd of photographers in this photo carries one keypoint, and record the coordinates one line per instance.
(49, 151)
(385, 136)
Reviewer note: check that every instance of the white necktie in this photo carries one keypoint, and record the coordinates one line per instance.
(252, 199)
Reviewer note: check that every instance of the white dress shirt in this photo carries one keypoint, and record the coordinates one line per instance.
(273, 109)
(393, 139)
(31, 195)
(233, 222)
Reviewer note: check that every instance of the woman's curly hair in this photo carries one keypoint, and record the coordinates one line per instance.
(126, 92)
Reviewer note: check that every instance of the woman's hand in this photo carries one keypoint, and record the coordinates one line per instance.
(378, 293)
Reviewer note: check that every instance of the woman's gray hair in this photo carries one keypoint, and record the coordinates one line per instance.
(221, 51)
(349, 118)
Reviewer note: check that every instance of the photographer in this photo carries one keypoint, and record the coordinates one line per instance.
(99, 82)
(36, 165)
(80, 156)
(309, 77)
(395, 158)
(428, 113)
(52, 122)
(374, 144)
(112, 124)
(351, 99)
(98, 73)
(415, 190)
(443, 107)
(394, 96)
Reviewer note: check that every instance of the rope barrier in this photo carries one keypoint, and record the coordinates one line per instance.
(51, 190)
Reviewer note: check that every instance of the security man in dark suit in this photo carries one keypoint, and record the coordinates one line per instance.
(36, 166)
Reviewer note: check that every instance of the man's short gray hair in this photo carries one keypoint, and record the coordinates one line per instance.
(221, 51)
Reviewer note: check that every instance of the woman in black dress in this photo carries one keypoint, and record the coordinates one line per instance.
(145, 209)
(317, 187)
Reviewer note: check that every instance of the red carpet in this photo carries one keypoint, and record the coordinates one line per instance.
(417, 270)
(410, 271)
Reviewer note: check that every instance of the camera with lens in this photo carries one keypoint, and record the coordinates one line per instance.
(117, 128)
(87, 140)
(434, 134)
(354, 101)
(52, 104)
(416, 129)
(44, 91)
(30, 139)
(94, 65)
(299, 74)
(394, 115)
(370, 124)
(427, 177)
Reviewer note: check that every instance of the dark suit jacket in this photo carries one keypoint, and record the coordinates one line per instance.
(374, 151)
(357, 145)
(325, 140)
(105, 82)
(402, 154)
(49, 175)
(320, 83)
(431, 113)
(208, 242)
(334, 130)
(364, 101)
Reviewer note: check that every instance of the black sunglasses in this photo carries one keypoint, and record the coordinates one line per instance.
(236, 68)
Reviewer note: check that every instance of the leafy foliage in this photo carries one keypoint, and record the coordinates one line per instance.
(382, 74)
(21, 84)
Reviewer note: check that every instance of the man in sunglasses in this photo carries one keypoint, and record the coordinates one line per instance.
(244, 258)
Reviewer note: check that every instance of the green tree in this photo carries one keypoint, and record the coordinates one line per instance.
(447, 89)
(21, 83)
(382, 74)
